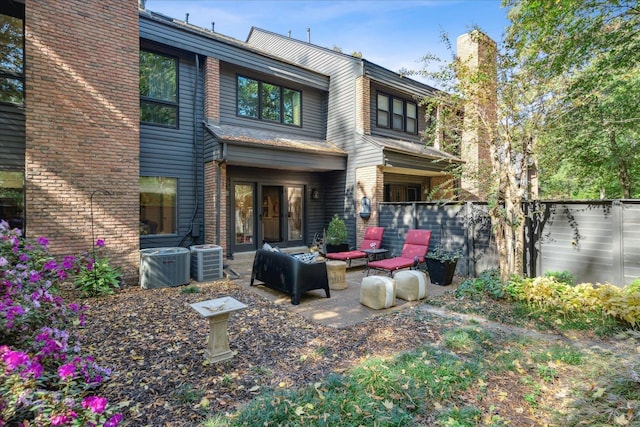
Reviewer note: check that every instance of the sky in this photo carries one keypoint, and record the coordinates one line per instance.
(392, 34)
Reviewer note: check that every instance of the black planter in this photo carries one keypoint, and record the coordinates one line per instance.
(441, 272)
(342, 247)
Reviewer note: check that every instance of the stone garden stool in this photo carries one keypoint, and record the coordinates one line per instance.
(217, 311)
(411, 285)
(337, 275)
(378, 292)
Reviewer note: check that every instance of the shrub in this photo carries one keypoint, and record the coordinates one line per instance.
(550, 295)
(486, 284)
(96, 276)
(44, 379)
(562, 276)
(336, 231)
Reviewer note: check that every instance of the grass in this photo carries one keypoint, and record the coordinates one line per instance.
(433, 383)
(472, 377)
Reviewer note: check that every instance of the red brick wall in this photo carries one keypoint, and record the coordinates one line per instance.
(82, 125)
(212, 90)
(211, 194)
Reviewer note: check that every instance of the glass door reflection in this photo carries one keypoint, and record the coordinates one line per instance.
(271, 213)
(294, 216)
(244, 214)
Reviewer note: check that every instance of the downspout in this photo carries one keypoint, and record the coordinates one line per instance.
(194, 154)
(220, 161)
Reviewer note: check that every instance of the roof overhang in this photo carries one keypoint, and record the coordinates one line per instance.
(413, 158)
(243, 146)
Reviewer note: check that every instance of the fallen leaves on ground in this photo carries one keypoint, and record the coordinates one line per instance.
(154, 342)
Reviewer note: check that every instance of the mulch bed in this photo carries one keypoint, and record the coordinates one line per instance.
(154, 343)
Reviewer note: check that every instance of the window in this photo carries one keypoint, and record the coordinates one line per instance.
(397, 114)
(291, 106)
(383, 111)
(12, 198)
(12, 52)
(266, 101)
(158, 205)
(158, 89)
(402, 193)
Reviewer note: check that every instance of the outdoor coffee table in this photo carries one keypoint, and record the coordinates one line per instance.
(374, 255)
(217, 311)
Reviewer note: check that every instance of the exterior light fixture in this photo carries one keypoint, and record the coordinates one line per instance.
(365, 208)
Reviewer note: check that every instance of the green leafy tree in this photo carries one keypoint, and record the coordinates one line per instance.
(504, 108)
(590, 50)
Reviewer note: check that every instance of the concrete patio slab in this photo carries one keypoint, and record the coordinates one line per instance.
(342, 309)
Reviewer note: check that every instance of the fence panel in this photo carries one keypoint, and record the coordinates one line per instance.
(631, 241)
(577, 237)
(596, 241)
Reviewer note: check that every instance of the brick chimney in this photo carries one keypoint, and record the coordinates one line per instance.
(478, 52)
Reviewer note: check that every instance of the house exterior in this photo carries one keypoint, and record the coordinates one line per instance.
(388, 160)
(173, 135)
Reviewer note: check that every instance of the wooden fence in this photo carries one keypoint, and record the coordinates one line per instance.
(597, 241)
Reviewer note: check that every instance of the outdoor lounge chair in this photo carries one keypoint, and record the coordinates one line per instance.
(414, 251)
(372, 240)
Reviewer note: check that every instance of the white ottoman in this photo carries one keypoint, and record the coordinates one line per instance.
(378, 292)
(411, 285)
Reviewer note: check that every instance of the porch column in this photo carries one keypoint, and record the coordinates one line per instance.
(369, 183)
(216, 196)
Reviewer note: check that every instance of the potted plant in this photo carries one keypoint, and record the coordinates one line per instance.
(336, 239)
(441, 264)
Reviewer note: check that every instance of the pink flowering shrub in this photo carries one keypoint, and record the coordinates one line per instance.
(44, 378)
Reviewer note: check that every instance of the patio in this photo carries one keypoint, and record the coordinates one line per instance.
(342, 309)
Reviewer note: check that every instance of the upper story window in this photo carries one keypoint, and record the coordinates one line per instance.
(265, 101)
(158, 89)
(397, 114)
(12, 52)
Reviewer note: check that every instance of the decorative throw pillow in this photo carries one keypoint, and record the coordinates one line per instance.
(306, 258)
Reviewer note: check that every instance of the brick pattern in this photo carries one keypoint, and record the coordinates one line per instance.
(211, 193)
(443, 187)
(363, 101)
(212, 90)
(82, 126)
(478, 51)
(369, 183)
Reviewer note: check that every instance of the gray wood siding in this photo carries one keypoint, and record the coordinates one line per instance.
(343, 69)
(341, 121)
(390, 78)
(12, 137)
(226, 50)
(178, 153)
(367, 154)
(313, 104)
